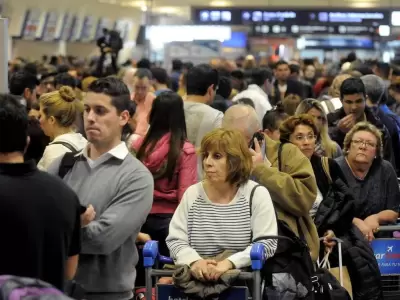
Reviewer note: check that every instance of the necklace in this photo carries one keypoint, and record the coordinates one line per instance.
(354, 174)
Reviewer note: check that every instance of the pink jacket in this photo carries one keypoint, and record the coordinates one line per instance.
(167, 195)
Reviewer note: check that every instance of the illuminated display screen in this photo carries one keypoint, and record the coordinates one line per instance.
(243, 16)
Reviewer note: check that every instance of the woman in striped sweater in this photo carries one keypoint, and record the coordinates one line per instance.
(216, 214)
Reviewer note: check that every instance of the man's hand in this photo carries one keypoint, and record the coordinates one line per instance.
(88, 216)
(215, 271)
(199, 269)
(257, 153)
(346, 123)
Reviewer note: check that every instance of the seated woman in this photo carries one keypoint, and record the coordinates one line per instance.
(302, 131)
(373, 179)
(324, 146)
(58, 113)
(217, 214)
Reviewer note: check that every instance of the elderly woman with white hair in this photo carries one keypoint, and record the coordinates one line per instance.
(376, 91)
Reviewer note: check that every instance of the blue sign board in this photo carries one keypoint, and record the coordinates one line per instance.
(387, 254)
(170, 292)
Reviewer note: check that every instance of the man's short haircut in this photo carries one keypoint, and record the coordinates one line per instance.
(65, 79)
(13, 125)
(143, 73)
(177, 65)
(258, 76)
(200, 78)
(294, 69)
(280, 63)
(114, 88)
(375, 88)
(245, 101)
(160, 75)
(144, 63)
(352, 86)
(20, 81)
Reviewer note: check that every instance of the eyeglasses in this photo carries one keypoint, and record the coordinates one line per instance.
(302, 138)
(367, 144)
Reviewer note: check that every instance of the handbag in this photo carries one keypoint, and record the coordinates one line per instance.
(345, 281)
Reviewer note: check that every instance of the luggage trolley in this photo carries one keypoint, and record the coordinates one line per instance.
(387, 254)
(151, 258)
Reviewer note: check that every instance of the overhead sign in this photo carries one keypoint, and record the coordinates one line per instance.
(50, 26)
(293, 30)
(88, 29)
(387, 254)
(68, 24)
(244, 16)
(33, 19)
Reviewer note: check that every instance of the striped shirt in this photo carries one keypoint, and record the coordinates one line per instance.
(201, 228)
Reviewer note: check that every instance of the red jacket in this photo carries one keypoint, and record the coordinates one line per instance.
(168, 194)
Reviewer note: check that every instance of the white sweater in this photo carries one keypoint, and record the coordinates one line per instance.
(54, 150)
(201, 228)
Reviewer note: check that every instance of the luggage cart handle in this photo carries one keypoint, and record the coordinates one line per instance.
(150, 255)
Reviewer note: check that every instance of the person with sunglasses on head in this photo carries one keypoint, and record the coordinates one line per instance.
(354, 99)
(324, 145)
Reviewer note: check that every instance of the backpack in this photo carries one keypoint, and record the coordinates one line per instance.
(21, 288)
(290, 269)
(67, 163)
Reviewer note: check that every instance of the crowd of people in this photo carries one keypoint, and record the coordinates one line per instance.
(204, 159)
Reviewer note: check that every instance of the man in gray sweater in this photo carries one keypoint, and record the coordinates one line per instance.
(120, 189)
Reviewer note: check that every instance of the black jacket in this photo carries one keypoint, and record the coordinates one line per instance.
(338, 136)
(363, 268)
(336, 211)
(293, 87)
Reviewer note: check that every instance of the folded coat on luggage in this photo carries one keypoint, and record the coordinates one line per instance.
(196, 289)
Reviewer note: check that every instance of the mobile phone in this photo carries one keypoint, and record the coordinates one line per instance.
(260, 138)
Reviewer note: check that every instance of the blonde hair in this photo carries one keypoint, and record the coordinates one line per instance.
(334, 89)
(329, 146)
(62, 105)
(364, 126)
(233, 144)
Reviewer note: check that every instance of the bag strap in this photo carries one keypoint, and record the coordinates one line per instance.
(67, 163)
(280, 157)
(325, 166)
(251, 198)
(66, 145)
(251, 208)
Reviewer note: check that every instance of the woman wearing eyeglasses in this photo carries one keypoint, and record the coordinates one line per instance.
(302, 131)
(373, 179)
(325, 146)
